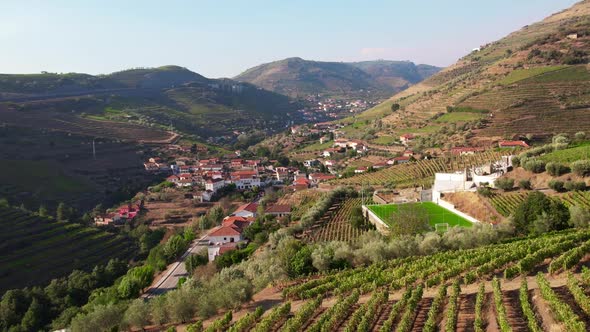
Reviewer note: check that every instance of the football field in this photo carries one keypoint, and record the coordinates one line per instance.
(436, 213)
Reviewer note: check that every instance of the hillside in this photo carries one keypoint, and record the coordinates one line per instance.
(534, 82)
(35, 250)
(297, 77)
(150, 100)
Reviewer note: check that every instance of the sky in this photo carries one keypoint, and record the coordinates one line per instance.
(221, 38)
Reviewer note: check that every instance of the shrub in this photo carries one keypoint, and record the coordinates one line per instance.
(485, 191)
(516, 161)
(504, 183)
(575, 186)
(581, 167)
(534, 165)
(556, 169)
(556, 185)
(525, 184)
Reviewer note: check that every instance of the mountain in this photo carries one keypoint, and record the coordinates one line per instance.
(296, 77)
(164, 98)
(534, 82)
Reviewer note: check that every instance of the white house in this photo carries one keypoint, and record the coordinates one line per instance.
(214, 184)
(246, 210)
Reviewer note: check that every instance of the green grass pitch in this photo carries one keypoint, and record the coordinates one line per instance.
(436, 214)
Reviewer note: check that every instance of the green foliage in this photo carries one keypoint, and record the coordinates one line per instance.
(501, 316)
(221, 324)
(433, 312)
(525, 184)
(527, 309)
(192, 261)
(479, 322)
(453, 307)
(556, 169)
(271, 320)
(247, 321)
(485, 191)
(528, 213)
(562, 311)
(581, 167)
(534, 165)
(556, 185)
(505, 184)
(579, 216)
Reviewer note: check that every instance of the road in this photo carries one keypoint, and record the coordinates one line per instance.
(169, 279)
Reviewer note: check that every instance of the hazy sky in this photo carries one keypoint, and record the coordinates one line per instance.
(221, 38)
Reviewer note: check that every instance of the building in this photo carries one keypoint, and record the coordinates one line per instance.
(246, 210)
(465, 150)
(214, 184)
(245, 179)
(406, 138)
(401, 160)
(513, 144)
(316, 178)
(278, 210)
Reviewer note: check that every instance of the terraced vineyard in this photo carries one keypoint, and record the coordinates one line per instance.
(505, 204)
(33, 250)
(421, 172)
(451, 291)
(335, 224)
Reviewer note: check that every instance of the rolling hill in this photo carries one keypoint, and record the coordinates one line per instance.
(150, 100)
(297, 77)
(534, 82)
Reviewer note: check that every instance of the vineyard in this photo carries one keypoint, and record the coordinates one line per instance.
(524, 284)
(420, 173)
(335, 225)
(506, 204)
(34, 250)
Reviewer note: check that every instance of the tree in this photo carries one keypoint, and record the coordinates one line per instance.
(62, 212)
(537, 203)
(395, 107)
(101, 318)
(556, 185)
(505, 184)
(43, 211)
(193, 261)
(581, 167)
(525, 184)
(4, 203)
(556, 169)
(137, 314)
(12, 307)
(409, 220)
(579, 216)
(34, 317)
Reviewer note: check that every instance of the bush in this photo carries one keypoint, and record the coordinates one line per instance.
(529, 214)
(556, 169)
(574, 186)
(556, 185)
(485, 191)
(516, 161)
(534, 165)
(525, 184)
(581, 167)
(504, 183)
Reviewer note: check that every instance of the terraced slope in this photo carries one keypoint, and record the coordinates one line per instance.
(33, 250)
(534, 81)
(521, 285)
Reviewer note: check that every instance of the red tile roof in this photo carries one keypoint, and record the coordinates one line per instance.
(278, 208)
(250, 207)
(513, 144)
(225, 231)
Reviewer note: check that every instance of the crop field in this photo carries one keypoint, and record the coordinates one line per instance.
(568, 155)
(335, 224)
(525, 284)
(436, 214)
(34, 250)
(420, 173)
(507, 203)
(521, 74)
(456, 117)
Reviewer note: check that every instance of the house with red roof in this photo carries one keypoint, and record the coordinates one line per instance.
(401, 160)
(513, 144)
(247, 210)
(316, 178)
(406, 138)
(301, 184)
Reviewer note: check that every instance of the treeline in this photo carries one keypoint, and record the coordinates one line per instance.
(69, 300)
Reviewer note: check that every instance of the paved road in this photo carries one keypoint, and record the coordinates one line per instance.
(169, 279)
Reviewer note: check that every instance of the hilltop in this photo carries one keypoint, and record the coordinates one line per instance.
(534, 82)
(154, 100)
(297, 77)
